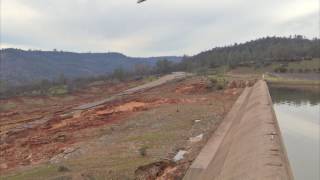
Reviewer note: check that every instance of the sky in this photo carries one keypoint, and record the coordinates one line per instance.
(152, 28)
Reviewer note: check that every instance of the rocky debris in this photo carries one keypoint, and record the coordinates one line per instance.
(29, 125)
(36, 141)
(62, 178)
(60, 138)
(179, 155)
(3, 166)
(8, 114)
(198, 87)
(77, 114)
(241, 83)
(154, 170)
(162, 170)
(25, 120)
(66, 116)
(67, 152)
(196, 138)
(130, 106)
(174, 173)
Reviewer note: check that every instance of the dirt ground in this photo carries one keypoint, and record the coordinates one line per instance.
(135, 137)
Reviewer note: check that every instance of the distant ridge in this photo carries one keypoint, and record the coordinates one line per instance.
(259, 51)
(21, 67)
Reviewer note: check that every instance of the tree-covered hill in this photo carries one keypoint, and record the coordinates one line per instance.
(19, 67)
(260, 51)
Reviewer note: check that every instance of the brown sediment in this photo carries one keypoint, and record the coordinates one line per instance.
(62, 126)
(198, 87)
(35, 136)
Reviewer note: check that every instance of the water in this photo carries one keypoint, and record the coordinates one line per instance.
(298, 113)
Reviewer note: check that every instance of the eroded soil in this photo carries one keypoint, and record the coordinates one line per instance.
(106, 142)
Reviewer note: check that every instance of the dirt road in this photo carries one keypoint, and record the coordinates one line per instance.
(158, 82)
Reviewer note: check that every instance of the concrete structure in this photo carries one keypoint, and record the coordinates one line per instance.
(247, 145)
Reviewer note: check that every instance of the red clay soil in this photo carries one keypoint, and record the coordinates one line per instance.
(55, 128)
(38, 144)
(198, 87)
(30, 134)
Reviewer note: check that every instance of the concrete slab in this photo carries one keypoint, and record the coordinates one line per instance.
(247, 145)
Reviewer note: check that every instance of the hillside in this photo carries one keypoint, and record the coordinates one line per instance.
(19, 67)
(261, 51)
(65, 137)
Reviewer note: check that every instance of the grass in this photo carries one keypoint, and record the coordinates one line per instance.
(150, 79)
(311, 64)
(280, 80)
(34, 101)
(110, 165)
(218, 81)
(221, 70)
(7, 106)
(150, 137)
(58, 90)
(294, 66)
(40, 172)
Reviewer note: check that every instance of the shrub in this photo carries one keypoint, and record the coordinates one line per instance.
(220, 87)
(307, 70)
(213, 81)
(143, 151)
(217, 82)
(281, 70)
(63, 169)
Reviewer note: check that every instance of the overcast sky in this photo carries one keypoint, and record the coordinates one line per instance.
(155, 27)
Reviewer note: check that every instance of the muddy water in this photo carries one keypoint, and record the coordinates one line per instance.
(298, 113)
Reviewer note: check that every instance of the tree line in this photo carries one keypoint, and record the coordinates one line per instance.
(63, 85)
(261, 51)
(257, 52)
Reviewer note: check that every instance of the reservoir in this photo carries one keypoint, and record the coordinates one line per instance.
(298, 113)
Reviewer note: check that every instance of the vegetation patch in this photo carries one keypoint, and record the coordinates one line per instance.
(34, 173)
(7, 106)
(217, 82)
(58, 90)
(280, 80)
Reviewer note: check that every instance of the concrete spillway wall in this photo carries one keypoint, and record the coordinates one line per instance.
(247, 145)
